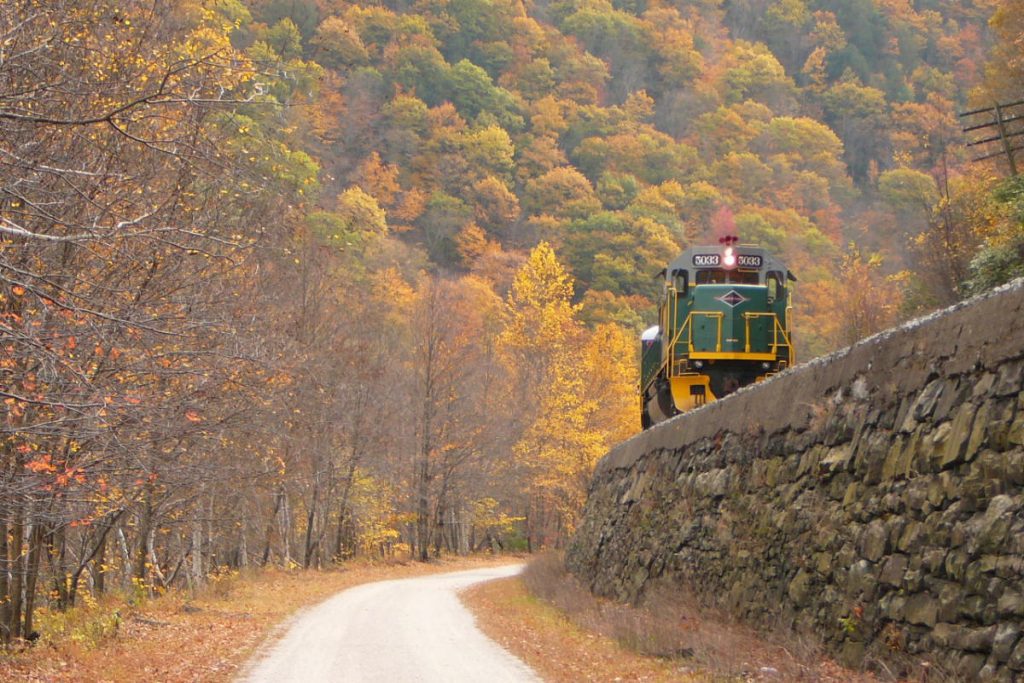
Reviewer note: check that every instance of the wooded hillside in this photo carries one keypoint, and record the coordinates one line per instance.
(295, 280)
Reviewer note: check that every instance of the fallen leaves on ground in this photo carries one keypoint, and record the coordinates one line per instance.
(208, 637)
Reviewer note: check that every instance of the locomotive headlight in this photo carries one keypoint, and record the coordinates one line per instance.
(698, 364)
(729, 258)
(766, 365)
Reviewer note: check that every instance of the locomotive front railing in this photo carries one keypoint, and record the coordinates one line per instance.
(777, 332)
(717, 316)
(675, 358)
(681, 346)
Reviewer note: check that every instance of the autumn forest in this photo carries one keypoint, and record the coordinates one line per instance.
(293, 281)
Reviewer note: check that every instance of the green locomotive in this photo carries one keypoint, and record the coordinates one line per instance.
(724, 323)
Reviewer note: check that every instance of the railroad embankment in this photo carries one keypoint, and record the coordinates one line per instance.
(874, 498)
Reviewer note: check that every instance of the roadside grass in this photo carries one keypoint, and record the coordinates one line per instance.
(206, 635)
(552, 645)
(547, 618)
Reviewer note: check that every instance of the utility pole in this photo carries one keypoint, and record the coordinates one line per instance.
(1006, 121)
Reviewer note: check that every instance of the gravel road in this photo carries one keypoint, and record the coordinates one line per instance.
(411, 630)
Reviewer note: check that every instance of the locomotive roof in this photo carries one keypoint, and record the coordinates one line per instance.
(685, 260)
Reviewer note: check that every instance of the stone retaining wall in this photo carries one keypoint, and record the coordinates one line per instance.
(874, 498)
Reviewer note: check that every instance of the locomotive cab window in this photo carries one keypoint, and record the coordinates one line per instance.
(719, 276)
(681, 281)
(775, 286)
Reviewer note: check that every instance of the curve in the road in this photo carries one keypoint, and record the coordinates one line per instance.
(413, 630)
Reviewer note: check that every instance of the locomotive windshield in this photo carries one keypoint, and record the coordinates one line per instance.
(719, 276)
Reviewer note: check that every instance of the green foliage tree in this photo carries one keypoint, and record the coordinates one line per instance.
(338, 45)
(753, 72)
(417, 66)
(473, 92)
(616, 37)
(1001, 257)
(912, 194)
(304, 15)
(478, 33)
(284, 39)
(856, 113)
(490, 153)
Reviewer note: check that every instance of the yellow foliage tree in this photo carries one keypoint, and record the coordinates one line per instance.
(610, 368)
(558, 452)
(557, 445)
(375, 518)
(872, 304)
(539, 311)
(1005, 71)
(379, 180)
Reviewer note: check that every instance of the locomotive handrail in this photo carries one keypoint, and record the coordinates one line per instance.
(670, 312)
(719, 318)
(776, 331)
(671, 360)
(780, 339)
(687, 328)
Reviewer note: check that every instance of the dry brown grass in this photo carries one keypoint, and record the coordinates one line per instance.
(554, 647)
(206, 637)
(556, 625)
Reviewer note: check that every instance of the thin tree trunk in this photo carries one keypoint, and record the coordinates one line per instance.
(196, 575)
(5, 581)
(100, 565)
(126, 558)
(423, 509)
(211, 548)
(423, 474)
(278, 495)
(154, 563)
(145, 526)
(439, 535)
(31, 575)
(16, 562)
(58, 551)
(346, 491)
(461, 533)
(307, 556)
(286, 532)
(243, 549)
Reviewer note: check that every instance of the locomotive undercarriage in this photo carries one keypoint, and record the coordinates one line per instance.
(667, 397)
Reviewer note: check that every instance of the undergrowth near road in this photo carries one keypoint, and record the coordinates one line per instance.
(556, 625)
(203, 636)
(554, 647)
